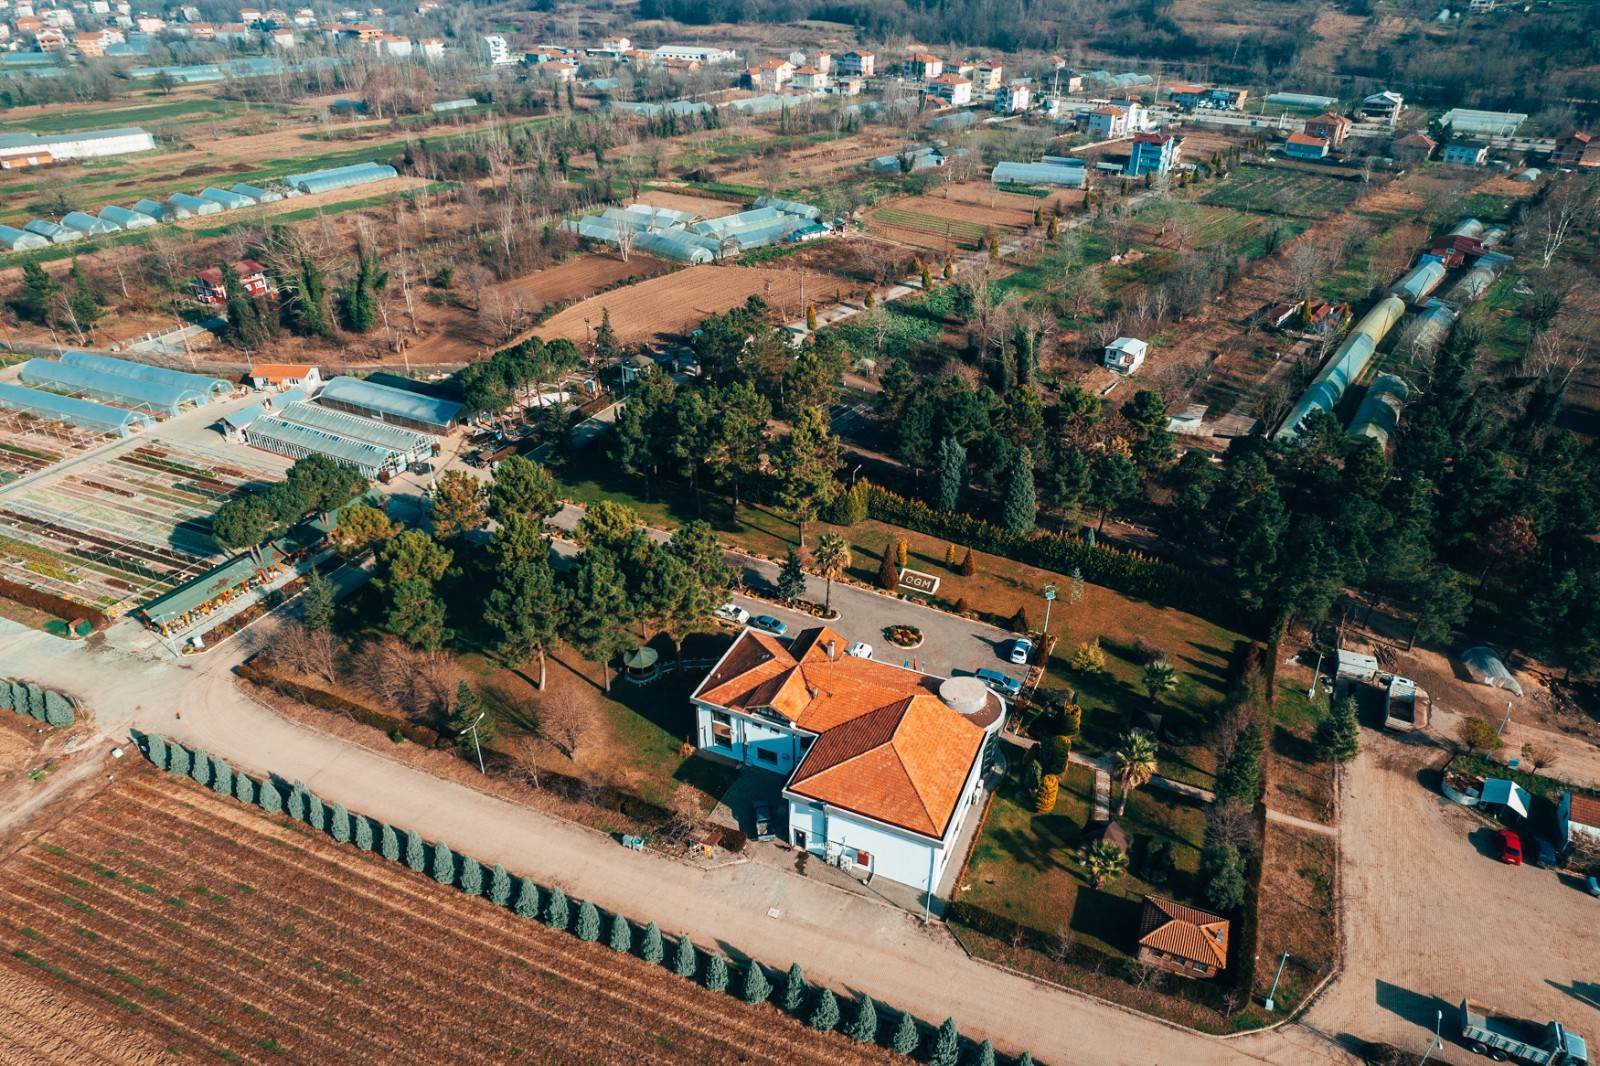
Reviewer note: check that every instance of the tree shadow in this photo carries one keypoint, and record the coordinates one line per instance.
(1109, 918)
(1291, 746)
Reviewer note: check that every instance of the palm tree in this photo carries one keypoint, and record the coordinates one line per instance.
(1105, 862)
(832, 559)
(1159, 678)
(1135, 761)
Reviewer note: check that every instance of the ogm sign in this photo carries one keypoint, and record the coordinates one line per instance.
(917, 581)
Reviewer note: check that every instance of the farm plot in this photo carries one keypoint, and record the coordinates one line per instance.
(962, 216)
(116, 532)
(160, 911)
(1287, 191)
(29, 445)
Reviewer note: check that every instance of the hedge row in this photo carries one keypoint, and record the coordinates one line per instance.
(1129, 572)
(63, 608)
(817, 1006)
(47, 705)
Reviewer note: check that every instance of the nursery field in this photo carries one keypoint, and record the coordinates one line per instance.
(963, 215)
(161, 923)
(29, 445)
(111, 533)
(1286, 191)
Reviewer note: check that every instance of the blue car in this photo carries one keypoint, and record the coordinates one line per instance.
(1006, 686)
(768, 624)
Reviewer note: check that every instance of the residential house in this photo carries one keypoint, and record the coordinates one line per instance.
(398, 47)
(824, 62)
(883, 766)
(1413, 147)
(91, 44)
(50, 39)
(494, 50)
(282, 39)
(1108, 123)
(562, 70)
(811, 79)
(208, 286)
(1153, 153)
(1011, 99)
(988, 76)
(1330, 127)
(612, 46)
(364, 34)
(432, 47)
(770, 75)
(1576, 149)
(953, 89)
(1124, 355)
(1465, 153)
(1384, 107)
(1583, 817)
(1305, 146)
(848, 85)
(279, 376)
(1183, 940)
(923, 67)
(857, 64)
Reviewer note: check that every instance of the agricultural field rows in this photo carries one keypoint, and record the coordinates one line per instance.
(218, 931)
(1290, 192)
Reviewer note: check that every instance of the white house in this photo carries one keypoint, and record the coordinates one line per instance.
(882, 765)
(275, 377)
(1010, 99)
(493, 50)
(1125, 355)
(951, 88)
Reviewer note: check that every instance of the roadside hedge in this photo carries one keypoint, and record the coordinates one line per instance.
(328, 701)
(60, 606)
(467, 877)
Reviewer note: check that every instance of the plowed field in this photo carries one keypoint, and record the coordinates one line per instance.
(963, 215)
(159, 923)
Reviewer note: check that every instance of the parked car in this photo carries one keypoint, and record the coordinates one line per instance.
(1593, 884)
(1021, 651)
(1006, 686)
(1544, 854)
(860, 649)
(732, 612)
(1510, 847)
(768, 624)
(761, 815)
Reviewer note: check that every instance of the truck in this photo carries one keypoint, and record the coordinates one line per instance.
(1507, 1039)
(1401, 704)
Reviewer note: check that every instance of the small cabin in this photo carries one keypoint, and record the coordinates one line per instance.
(1125, 355)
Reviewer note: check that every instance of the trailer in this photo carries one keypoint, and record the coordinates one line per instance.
(1405, 707)
(1506, 1039)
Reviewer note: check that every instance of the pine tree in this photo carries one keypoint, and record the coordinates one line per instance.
(888, 576)
(244, 326)
(178, 760)
(244, 789)
(716, 976)
(444, 863)
(499, 886)
(906, 1035)
(271, 799)
(1025, 1059)
(756, 987)
(969, 565)
(793, 994)
(984, 1056)
(388, 842)
(952, 475)
(588, 927)
(416, 856)
(1021, 503)
(824, 1012)
(221, 778)
(359, 302)
(527, 898)
(1338, 737)
(685, 959)
(1240, 776)
(556, 911)
(339, 823)
(316, 813)
(296, 806)
(946, 1045)
(620, 938)
(155, 747)
(471, 879)
(200, 767)
(791, 578)
(863, 1027)
(305, 300)
(650, 948)
(317, 602)
(606, 346)
(36, 302)
(363, 832)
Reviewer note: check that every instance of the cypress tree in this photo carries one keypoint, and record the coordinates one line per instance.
(499, 886)
(471, 879)
(756, 987)
(588, 928)
(685, 959)
(621, 938)
(244, 789)
(155, 746)
(221, 778)
(200, 767)
(650, 949)
(906, 1037)
(271, 799)
(1021, 503)
(984, 1056)
(793, 993)
(388, 842)
(178, 760)
(527, 898)
(825, 1012)
(946, 1045)
(791, 578)
(363, 833)
(716, 975)
(444, 863)
(339, 823)
(297, 802)
(1240, 776)
(1025, 1059)
(888, 575)
(416, 858)
(863, 1027)
(555, 910)
(316, 813)
(952, 475)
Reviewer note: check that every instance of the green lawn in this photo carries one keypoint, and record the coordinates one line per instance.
(1287, 191)
(192, 109)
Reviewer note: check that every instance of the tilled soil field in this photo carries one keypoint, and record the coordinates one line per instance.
(174, 925)
(962, 215)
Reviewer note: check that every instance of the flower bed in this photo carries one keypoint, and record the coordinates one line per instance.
(903, 636)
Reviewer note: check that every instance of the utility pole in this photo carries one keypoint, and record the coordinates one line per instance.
(1049, 598)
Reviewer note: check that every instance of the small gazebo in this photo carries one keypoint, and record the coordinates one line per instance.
(641, 665)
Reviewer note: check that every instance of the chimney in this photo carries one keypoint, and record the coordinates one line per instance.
(833, 651)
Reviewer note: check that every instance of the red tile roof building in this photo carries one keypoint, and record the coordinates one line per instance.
(1184, 940)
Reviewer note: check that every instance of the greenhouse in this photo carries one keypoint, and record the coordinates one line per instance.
(124, 218)
(53, 233)
(257, 194)
(1347, 364)
(159, 211)
(273, 434)
(1427, 329)
(1419, 281)
(410, 444)
(49, 406)
(1302, 101)
(193, 204)
(679, 108)
(1464, 120)
(388, 404)
(127, 368)
(20, 240)
(791, 207)
(1379, 413)
(82, 380)
(1475, 282)
(87, 224)
(230, 201)
(1038, 174)
(341, 177)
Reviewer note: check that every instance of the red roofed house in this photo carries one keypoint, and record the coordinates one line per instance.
(1330, 127)
(280, 376)
(1305, 146)
(208, 287)
(1576, 149)
(1183, 940)
(1108, 122)
(924, 67)
(883, 765)
(953, 89)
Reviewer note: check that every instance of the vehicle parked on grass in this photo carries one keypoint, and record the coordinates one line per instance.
(860, 649)
(1507, 1039)
(1510, 847)
(732, 612)
(768, 624)
(1001, 683)
(1021, 651)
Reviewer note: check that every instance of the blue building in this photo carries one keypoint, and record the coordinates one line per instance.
(1153, 153)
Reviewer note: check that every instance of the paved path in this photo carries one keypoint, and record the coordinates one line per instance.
(854, 943)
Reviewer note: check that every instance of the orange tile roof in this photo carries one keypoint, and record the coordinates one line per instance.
(1308, 140)
(1187, 932)
(281, 371)
(887, 747)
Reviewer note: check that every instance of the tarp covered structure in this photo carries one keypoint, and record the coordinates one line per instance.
(85, 414)
(1502, 792)
(113, 388)
(128, 368)
(388, 404)
(1486, 668)
(1379, 412)
(341, 177)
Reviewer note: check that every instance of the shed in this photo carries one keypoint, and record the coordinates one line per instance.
(1501, 792)
(1357, 665)
(1125, 355)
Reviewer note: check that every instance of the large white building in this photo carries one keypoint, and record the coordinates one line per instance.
(883, 766)
(84, 144)
(693, 53)
(494, 50)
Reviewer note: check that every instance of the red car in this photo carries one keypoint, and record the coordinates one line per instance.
(1510, 847)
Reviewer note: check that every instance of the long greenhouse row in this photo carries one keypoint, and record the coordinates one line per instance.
(212, 200)
(676, 235)
(103, 394)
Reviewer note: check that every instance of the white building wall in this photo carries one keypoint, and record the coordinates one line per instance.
(755, 742)
(70, 148)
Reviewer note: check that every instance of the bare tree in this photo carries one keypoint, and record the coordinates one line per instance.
(1550, 225)
(565, 725)
(311, 652)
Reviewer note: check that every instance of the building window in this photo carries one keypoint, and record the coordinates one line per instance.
(721, 719)
(767, 755)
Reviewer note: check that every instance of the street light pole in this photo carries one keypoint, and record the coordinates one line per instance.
(1438, 1038)
(1275, 980)
(1049, 598)
(1311, 693)
(473, 729)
